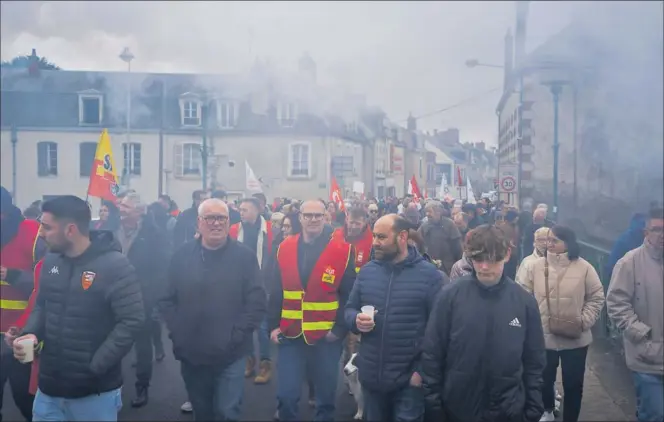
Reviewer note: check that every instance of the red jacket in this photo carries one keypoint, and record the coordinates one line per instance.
(234, 232)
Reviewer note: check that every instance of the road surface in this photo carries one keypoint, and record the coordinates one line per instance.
(608, 393)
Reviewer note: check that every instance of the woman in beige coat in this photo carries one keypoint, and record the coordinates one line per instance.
(569, 310)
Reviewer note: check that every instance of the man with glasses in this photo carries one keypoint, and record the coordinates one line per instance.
(313, 277)
(634, 303)
(215, 302)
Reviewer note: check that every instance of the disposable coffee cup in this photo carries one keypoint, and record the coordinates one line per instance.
(368, 310)
(28, 345)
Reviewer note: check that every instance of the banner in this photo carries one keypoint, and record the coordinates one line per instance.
(335, 195)
(103, 178)
(252, 183)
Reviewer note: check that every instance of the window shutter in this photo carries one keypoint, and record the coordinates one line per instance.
(42, 165)
(178, 158)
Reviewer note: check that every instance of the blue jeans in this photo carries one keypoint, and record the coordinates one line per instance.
(215, 392)
(293, 356)
(97, 407)
(405, 405)
(649, 396)
(263, 342)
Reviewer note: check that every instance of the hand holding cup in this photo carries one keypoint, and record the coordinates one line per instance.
(365, 319)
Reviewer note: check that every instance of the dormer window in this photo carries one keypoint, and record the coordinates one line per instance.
(90, 107)
(287, 114)
(227, 113)
(190, 110)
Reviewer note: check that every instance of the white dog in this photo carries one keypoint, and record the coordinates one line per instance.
(350, 372)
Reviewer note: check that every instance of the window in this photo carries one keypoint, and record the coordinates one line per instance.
(286, 114)
(131, 154)
(191, 113)
(299, 160)
(86, 152)
(89, 109)
(227, 114)
(188, 159)
(47, 159)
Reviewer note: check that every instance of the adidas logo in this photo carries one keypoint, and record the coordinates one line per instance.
(515, 322)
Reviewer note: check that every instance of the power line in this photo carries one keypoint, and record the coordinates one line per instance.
(459, 104)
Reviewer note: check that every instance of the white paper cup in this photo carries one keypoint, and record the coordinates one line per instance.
(368, 310)
(28, 345)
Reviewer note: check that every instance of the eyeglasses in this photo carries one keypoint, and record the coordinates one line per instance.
(312, 216)
(212, 219)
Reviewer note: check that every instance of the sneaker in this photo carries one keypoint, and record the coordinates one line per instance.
(264, 372)
(547, 417)
(186, 407)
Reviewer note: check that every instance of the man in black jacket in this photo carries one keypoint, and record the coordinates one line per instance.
(215, 301)
(401, 285)
(185, 226)
(88, 310)
(147, 248)
(483, 353)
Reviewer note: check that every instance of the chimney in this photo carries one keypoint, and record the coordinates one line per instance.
(508, 64)
(33, 63)
(411, 125)
(520, 32)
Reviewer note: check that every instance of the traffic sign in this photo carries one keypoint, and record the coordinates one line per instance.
(508, 183)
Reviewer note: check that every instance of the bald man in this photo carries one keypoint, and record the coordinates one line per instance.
(311, 282)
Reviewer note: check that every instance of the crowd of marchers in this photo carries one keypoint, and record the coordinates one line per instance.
(438, 311)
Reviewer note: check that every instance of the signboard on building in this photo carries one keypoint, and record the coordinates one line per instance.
(508, 182)
(396, 160)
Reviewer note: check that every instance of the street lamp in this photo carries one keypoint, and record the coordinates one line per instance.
(127, 56)
(556, 88)
(476, 63)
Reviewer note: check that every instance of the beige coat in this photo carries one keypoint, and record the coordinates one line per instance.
(580, 296)
(526, 266)
(634, 303)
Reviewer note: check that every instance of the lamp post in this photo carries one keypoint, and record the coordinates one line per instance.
(127, 56)
(556, 88)
(476, 63)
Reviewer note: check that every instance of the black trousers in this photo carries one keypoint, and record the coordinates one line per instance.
(573, 362)
(144, 354)
(18, 375)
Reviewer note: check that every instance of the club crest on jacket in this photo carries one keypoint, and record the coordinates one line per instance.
(87, 278)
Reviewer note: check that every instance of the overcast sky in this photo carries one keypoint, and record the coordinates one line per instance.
(405, 56)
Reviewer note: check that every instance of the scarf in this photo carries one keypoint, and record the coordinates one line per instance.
(262, 233)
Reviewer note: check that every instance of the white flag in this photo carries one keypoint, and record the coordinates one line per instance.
(469, 192)
(252, 182)
(444, 190)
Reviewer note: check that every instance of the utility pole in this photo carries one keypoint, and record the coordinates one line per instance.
(127, 56)
(204, 148)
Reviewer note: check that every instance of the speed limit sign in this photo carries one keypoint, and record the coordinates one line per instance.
(508, 184)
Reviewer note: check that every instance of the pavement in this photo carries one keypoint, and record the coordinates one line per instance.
(608, 393)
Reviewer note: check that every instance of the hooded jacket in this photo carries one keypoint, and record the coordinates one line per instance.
(87, 312)
(403, 294)
(483, 354)
(461, 268)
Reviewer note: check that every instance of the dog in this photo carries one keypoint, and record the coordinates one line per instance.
(350, 373)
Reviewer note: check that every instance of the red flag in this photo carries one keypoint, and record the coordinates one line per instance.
(335, 195)
(459, 179)
(413, 189)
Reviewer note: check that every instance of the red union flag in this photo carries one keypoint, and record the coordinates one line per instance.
(335, 195)
(103, 178)
(413, 189)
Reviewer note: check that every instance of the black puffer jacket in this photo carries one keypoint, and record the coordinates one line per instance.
(484, 354)
(86, 332)
(403, 294)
